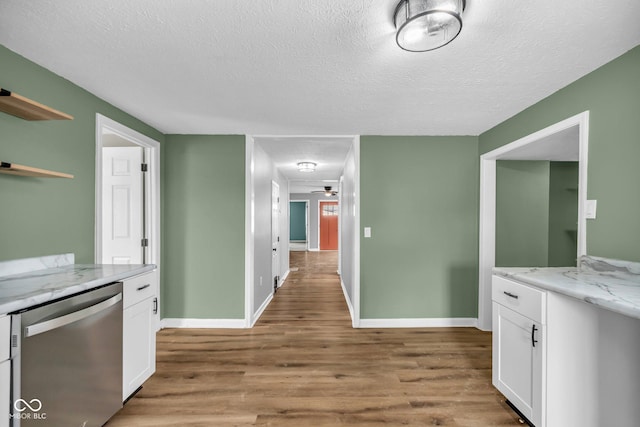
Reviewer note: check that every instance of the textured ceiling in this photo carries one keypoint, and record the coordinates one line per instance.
(329, 153)
(292, 67)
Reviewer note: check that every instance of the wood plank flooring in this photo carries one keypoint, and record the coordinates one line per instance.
(303, 365)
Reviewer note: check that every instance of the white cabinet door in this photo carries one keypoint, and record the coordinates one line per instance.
(5, 396)
(139, 345)
(517, 360)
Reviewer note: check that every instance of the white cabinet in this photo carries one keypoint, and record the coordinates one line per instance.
(519, 346)
(140, 299)
(582, 371)
(5, 371)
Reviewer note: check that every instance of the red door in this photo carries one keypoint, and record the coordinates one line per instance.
(328, 226)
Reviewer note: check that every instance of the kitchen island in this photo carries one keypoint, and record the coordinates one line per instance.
(567, 342)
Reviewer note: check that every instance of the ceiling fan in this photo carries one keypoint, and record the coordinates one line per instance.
(327, 191)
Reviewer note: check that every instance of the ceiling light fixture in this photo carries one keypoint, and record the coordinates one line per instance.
(424, 25)
(307, 166)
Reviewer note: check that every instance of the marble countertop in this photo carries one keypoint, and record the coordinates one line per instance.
(610, 284)
(33, 281)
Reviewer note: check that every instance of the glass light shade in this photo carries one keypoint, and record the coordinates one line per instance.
(424, 25)
(307, 166)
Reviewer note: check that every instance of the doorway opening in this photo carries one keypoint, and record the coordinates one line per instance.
(275, 159)
(566, 141)
(127, 229)
(298, 225)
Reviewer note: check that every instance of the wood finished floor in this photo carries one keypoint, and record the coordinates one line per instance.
(303, 365)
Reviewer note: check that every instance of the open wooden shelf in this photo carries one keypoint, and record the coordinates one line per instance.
(25, 108)
(14, 169)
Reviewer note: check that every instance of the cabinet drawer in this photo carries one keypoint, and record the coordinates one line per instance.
(528, 301)
(138, 288)
(5, 337)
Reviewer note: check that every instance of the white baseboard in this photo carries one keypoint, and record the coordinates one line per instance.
(314, 249)
(261, 309)
(420, 322)
(283, 278)
(203, 323)
(346, 297)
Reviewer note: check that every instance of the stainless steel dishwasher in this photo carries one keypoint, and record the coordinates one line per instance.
(66, 361)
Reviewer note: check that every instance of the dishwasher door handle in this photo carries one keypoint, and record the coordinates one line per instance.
(61, 321)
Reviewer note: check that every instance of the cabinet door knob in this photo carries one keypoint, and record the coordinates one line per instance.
(533, 335)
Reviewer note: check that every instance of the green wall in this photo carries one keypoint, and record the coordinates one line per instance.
(203, 227)
(45, 216)
(297, 221)
(420, 197)
(522, 213)
(563, 213)
(612, 95)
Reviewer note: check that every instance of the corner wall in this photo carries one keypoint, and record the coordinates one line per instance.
(203, 227)
(47, 216)
(612, 96)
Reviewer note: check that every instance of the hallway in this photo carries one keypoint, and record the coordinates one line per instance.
(303, 364)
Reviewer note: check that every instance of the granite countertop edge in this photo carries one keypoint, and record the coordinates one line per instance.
(22, 291)
(613, 285)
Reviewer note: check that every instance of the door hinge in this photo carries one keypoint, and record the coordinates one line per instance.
(144, 243)
(144, 167)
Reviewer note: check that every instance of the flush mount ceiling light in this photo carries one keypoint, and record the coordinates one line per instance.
(307, 166)
(424, 25)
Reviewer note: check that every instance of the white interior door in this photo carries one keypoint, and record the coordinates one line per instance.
(275, 234)
(123, 205)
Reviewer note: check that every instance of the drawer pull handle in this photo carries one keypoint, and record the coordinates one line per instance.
(144, 286)
(533, 335)
(509, 294)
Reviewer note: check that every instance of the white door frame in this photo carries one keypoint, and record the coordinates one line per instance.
(152, 193)
(275, 187)
(487, 236)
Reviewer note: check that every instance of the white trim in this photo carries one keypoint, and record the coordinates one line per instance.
(249, 232)
(356, 323)
(283, 278)
(203, 323)
(446, 322)
(152, 200)
(261, 309)
(487, 235)
(346, 297)
(313, 250)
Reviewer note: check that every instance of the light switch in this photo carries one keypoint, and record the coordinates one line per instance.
(590, 209)
(367, 232)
